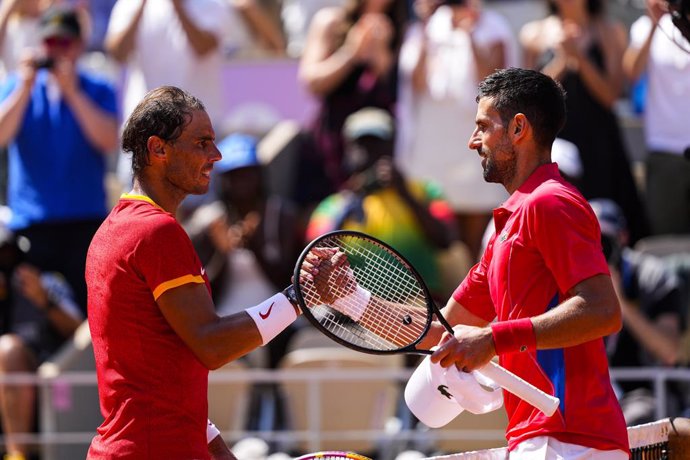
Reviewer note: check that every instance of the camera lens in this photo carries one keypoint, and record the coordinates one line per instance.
(44, 63)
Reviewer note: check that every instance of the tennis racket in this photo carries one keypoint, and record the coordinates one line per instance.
(371, 299)
(332, 454)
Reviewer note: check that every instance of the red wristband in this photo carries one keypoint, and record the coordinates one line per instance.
(513, 336)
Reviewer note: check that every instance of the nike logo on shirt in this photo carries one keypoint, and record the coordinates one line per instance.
(268, 312)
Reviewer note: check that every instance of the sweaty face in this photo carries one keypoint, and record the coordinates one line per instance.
(190, 157)
(490, 139)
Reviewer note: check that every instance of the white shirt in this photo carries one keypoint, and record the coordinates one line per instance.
(164, 56)
(667, 110)
(21, 33)
(435, 125)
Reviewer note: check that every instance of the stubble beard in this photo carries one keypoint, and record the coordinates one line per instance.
(500, 172)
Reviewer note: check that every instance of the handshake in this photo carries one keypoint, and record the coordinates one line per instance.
(331, 281)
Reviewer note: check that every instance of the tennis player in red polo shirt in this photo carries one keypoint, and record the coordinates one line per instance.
(154, 327)
(544, 280)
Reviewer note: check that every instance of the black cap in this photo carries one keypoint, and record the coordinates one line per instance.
(60, 22)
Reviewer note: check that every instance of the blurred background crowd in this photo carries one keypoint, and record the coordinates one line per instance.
(336, 114)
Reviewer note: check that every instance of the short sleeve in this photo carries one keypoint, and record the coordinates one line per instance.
(473, 293)
(566, 233)
(166, 258)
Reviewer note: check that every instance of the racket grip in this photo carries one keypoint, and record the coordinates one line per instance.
(521, 388)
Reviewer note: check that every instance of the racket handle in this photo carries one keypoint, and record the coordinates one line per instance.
(521, 388)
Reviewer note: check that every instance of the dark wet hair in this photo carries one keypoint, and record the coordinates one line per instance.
(164, 112)
(539, 97)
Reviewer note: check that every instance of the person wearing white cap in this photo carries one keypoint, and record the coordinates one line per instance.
(541, 297)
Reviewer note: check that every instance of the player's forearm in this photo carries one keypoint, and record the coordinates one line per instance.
(225, 340)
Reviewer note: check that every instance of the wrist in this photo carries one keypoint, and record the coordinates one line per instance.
(354, 304)
(291, 295)
(513, 336)
(272, 316)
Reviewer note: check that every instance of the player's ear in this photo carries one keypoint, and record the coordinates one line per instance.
(155, 146)
(519, 126)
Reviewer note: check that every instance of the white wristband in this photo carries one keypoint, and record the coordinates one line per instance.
(354, 304)
(272, 316)
(211, 432)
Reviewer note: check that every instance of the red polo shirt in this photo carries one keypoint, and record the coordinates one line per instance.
(152, 388)
(547, 240)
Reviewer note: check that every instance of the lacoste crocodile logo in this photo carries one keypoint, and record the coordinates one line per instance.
(443, 389)
(268, 312)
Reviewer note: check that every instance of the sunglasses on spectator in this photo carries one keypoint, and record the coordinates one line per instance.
(58, 42)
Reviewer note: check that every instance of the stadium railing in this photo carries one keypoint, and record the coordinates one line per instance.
(62, 399)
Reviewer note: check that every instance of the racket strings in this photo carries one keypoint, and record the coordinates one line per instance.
(398, 320)
(384, 320)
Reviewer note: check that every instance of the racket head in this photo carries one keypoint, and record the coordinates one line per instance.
(332, 454)
(388, 276)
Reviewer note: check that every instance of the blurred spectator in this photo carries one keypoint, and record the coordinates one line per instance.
(247, 240)
(19, 29)
(650, 295)
(441, 63)
(99, 14)
(266, 33)
(579, 46)
(296, 16)
(349, 62)
(660, 52)
(60, 123)
(172, 42)
(43, 315)
(377, 199)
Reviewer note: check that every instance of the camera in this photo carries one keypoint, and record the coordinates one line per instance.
(44, 63)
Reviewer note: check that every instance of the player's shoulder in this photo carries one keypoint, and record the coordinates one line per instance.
(145, 213)
(555, 194)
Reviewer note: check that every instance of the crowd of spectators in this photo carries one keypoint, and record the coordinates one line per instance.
(393, 84)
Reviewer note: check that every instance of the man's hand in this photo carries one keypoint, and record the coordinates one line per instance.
(468, 349)
(327, 267)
